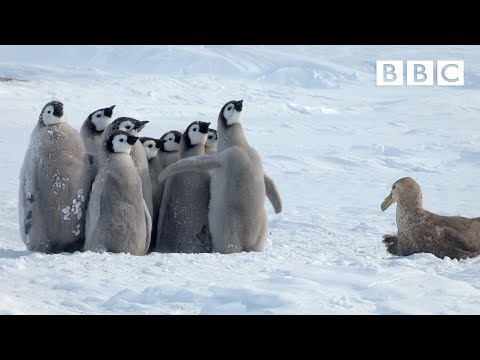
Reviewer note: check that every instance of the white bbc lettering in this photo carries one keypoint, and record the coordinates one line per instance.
(389, 73)
(450, 73)
(420, 72)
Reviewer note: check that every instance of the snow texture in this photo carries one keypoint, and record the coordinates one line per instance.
(331, 139)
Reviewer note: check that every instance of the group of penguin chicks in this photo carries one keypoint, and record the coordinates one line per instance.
(106, 189)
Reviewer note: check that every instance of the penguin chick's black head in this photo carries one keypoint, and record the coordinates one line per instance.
(120, 141)
(108, 111)
(96, 121)
(231, 112)
(51, 112)
(196, 133)
(158, 143)
(172, 141)
(131, 125)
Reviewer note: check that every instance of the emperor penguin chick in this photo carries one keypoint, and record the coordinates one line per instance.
(151, 147)
(183, 217)
(118, 219)
(91, 133)
(138, 154)
(54, 185)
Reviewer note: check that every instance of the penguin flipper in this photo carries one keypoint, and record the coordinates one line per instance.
(273, 194)
(193, 163)
(26, 195)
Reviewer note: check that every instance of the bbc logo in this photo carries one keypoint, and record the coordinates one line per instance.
(420, 73)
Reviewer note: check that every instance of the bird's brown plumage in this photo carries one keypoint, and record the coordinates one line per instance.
(422, 231)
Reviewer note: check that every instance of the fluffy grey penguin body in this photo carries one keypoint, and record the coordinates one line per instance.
(138, 154)
(54, 185)
(211, 143)
(183, 217)
(167, 154)
(118, 219)
(151, 146)
(91, 133)
(237, 217)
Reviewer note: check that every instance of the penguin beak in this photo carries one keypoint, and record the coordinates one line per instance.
(387, 202)
(132, 139)
(159, 143)
(204, 127)
(109, 111)
(239, 105)
(141, 125)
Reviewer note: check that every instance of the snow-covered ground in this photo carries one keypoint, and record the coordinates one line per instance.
(333, 141)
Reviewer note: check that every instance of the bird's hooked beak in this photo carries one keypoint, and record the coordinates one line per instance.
(131, 140)
(387, 202)
(239, 105)
(141, 125)
(109, 111)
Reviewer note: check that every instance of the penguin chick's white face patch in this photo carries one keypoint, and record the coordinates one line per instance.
(120, 144)
(231, 115)
(49, 119)
(150, 148)
(100, 120)
(170, 143)
(128, 126)
(196, 137)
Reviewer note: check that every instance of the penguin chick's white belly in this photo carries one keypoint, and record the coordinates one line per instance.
(55, 180)
(117, 214)
(237, 215)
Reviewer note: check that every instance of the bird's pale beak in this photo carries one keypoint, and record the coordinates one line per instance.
(387, 202)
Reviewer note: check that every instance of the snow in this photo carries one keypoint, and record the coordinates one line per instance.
(332, 141)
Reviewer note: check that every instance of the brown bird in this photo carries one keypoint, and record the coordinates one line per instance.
(422, 231)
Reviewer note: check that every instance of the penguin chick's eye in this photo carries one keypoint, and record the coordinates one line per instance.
(170, 139)
(49, 111)
(98, 115)
(194, 129)
(229, 108)
(210, 138)
(121, 140)
(393, 187)
(128, 127)
(150, 146)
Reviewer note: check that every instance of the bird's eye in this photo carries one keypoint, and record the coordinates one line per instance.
(98, 115)
(194, 129)
(150, 146)
(209, 138)
(128, 127)
(170, 139)
(393, 187)
(229, 108)
(121, 140)
(49, 111)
